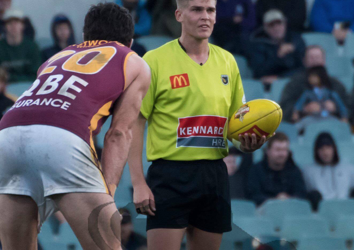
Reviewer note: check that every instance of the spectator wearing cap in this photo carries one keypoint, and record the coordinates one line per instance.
(275, 51)
(235, 20)
(18, 55)
(328, 176)
(130, 239)
(314, 57)
(62, 34)
(293, 10)
(6, 100)
(276, 176)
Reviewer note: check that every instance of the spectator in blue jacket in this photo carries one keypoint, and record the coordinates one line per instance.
(333, 16)
(319, 100)
(277, 176)
(235, 20)
(140, 16)
(275, 52)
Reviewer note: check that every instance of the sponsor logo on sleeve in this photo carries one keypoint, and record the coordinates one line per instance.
(201, 132)
(179, 81)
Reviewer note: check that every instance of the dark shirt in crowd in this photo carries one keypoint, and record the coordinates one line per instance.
(135, 242)
(139, 49)
(228, 33)
(51, 51)
(297, 85)
(238, 179)
(21, 61)
(227, 10)
(263, 55)
(264, 183)
(294, 11)
(6, 102)
(164, 22)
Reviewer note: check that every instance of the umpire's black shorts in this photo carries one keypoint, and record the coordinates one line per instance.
(192, 193)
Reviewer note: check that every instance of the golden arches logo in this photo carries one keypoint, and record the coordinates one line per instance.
(179, 81)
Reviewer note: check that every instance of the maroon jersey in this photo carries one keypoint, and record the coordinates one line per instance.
(75, 90)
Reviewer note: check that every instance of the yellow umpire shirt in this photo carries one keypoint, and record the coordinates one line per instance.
(188, 105)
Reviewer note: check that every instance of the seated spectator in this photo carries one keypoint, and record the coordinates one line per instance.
(314, 56)
(319, 101)
(275, 52)
(18, 55)
(333, 16)
(328, 176)
(276, 176)
(140, 15)
(164, 22)
(62, 34)
(6, 100)
(293, 10)
(235, 20)
(130, 239)
(237, 164)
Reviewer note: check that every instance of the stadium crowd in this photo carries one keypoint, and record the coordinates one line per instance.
(302, 50)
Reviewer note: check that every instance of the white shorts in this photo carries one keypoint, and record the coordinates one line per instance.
(40, 160)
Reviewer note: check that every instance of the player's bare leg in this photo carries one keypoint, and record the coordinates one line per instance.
(162, 239)
(18, 222)
(201, 240)
(93, 217)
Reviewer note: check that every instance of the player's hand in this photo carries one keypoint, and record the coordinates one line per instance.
(144, 200)
(249, 142)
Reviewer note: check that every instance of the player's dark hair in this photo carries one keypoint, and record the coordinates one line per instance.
(325, 139)
(110, 22)
(279, 136)
(321, 72)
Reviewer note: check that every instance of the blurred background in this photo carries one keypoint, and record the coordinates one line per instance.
(294, 192)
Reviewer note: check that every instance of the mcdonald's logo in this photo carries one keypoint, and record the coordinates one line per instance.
(179, 81)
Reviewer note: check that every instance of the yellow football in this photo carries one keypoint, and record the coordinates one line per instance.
(260, 116)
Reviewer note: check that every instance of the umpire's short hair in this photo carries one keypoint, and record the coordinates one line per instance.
(110, 22)
(181, 3)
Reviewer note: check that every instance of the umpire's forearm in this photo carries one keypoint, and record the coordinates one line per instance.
(115, 154)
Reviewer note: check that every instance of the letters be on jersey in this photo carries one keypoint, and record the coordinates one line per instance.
(179, 81)
(201, 132)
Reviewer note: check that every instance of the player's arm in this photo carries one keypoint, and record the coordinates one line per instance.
(143, 197)
(118, 138)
